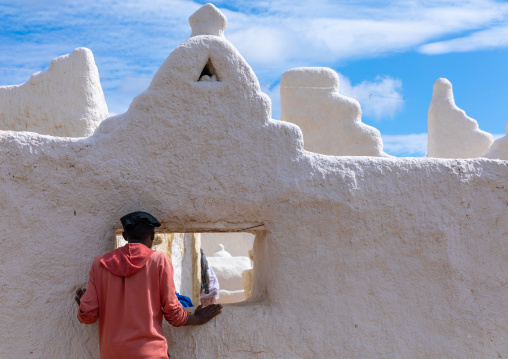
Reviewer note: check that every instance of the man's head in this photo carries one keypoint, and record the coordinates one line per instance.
(139, 227)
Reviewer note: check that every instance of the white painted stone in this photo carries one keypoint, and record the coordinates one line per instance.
(452, 134)
(331, 123)
(360, 257)
(177, 257)
(64, 100)
(499, 149)
(247, 276)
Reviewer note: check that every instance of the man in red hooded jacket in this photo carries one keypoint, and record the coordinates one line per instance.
(129, 290)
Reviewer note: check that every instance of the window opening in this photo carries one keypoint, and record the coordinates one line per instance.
(208, 73)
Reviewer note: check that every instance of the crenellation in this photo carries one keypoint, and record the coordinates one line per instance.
(65, 100)
(330, 122)
(452, 134)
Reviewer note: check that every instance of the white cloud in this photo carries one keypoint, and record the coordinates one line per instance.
(331, 31)
(379, 99)
(275, 34)
(414, 145)
(263, 44)
(120, 92)
(481, 40)
(131, 38)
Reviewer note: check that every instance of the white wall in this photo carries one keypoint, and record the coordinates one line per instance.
(360, 257)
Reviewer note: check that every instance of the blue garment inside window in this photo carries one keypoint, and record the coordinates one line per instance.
(185, 301)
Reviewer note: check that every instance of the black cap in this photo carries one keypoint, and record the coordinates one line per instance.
(135, 217)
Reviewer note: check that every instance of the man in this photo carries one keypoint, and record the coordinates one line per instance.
(209, 283)
(129, 290)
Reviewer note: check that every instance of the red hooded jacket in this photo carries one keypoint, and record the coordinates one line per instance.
(130, 289)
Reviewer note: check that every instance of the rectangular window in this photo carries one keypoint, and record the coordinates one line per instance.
(229, 255)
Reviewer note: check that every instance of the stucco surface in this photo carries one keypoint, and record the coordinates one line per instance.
(453, 134)
(247, 276)
(359, 257)
(331, 123)
(64, 100)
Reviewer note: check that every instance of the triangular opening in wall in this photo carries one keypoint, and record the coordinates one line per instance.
(208, 73)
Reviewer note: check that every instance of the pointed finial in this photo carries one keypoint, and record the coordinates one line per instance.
(208, 20)
(221, 252)
(442, 90)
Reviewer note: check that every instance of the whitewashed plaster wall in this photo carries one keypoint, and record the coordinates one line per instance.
(452, 134)
(64, 100)
(359, 257)
(331, 123)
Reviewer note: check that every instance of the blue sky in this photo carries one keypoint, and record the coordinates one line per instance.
(388, 53)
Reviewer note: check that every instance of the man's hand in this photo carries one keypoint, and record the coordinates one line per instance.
(203, 315)
(79, 294)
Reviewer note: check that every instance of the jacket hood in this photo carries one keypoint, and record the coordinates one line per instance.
(127, 260)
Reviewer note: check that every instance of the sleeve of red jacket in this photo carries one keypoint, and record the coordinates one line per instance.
(171, 307)
(89, 308)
